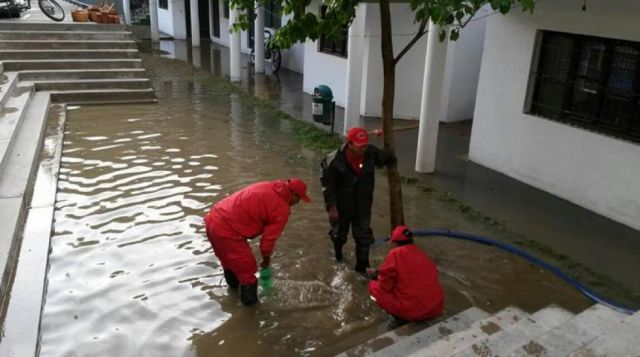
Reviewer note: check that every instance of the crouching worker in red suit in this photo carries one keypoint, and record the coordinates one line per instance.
(262, 208)
(406, 285)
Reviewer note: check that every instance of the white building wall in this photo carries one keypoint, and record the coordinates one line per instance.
(461, 82)
(409, 71)
(292, 58)
(172, 20)
(595, 171)
(322, 68)
(463, 70)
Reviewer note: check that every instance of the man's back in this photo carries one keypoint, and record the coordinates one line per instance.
(247, 211)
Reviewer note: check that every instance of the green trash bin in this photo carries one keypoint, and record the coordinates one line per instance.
(322, 104)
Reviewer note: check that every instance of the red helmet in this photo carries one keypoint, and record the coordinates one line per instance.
(401, 234)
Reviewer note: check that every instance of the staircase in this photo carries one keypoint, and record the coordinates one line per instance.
(44, 63)
(552, 331)
(76, 63)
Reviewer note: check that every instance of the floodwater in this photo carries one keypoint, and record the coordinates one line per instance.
(132, 273)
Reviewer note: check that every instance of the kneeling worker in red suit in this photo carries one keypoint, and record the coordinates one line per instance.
(406, 285)
(262, 208)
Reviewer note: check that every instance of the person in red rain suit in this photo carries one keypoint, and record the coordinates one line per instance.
(407, 285)
(262, 208)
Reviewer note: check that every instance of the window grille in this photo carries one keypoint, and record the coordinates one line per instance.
(334, 46)
(590, 82)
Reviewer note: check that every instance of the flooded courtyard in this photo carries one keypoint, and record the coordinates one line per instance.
(132, 273)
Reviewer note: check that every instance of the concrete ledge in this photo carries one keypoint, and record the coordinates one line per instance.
(62, 26)
(424, 338)
(89, 84)
(24, 305)
(15, 182)
(69, 74)
(65, 35)
(101, 96)
(20, 65)
(13, 112)
(68, 54)
(67, 44)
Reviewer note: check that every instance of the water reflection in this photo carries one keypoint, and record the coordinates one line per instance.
(132, 272)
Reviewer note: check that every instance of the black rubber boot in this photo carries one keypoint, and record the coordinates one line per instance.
(337, 244)
(362, 258)
(337, 249)
(396, 322)
(232, 280)
(249, 294)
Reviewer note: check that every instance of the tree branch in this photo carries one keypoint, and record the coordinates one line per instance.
(421, 32)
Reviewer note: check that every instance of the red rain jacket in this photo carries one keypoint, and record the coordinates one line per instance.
(407, 285)
(260, 208)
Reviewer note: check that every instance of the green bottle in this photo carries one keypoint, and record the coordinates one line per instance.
(265, 278)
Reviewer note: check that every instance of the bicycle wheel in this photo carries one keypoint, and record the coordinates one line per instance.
(276, 60)
(52, 9)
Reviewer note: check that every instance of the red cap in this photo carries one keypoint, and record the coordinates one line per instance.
(299, 188)
(358, 137)
(401, 234)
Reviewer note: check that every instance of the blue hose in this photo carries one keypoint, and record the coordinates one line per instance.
(509, 248)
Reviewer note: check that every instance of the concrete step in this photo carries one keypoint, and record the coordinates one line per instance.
(571, 335)
(65, 35)
(406, 345)
(619, 340)
(68, 54)
(70, 74)
(459, 341)
(16, 182)
(20, 65)
(8, 80)
(59, 26)
(67, 44)
(104, 96)
(508, 339)
(81, 84)
(11, 116)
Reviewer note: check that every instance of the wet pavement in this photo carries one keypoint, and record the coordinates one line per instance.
(599, 251)
(132, 273)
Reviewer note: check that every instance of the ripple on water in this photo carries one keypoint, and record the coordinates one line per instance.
(132, 273)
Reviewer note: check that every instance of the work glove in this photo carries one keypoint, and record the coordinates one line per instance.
(333, 215)
(266, 260)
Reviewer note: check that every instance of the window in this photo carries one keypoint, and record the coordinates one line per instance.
(225, 10)
(337, 46)
(163, 4)
(272, 15)
(590, 82)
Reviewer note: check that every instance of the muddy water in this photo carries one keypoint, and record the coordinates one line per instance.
(132, 274)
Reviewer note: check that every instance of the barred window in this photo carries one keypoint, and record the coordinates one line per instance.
(337, 46)
(272, 15)
(590, 82)
(163, 4)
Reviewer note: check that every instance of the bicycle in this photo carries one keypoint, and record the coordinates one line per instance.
(271, 52)
(51, 9)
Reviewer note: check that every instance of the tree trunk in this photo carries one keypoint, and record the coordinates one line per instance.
(388, 93)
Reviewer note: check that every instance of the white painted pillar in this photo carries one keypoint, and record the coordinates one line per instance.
(234, 47)
(259, 39)
(195, 23)
(431, 107)
(126, 7)
(153, 15)
(196, 57)
(354, 69)
(210, 19)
